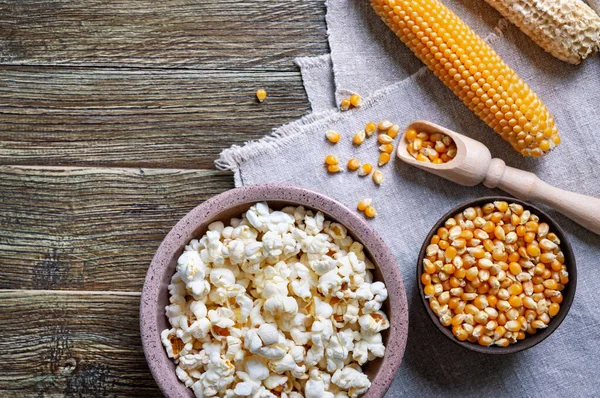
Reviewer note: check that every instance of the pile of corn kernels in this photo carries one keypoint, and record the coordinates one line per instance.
(278, 304)
(494, 274)
(434, 148)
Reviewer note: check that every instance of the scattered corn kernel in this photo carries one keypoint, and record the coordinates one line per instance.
(482, 260)
(345, 105)
(359, 137)
(261, 94)
(334, 168)
(332, 136)
(363, 204)
(377, 177)
(384, 125)
(353, 164)
(436, 148)
(365, 170)
(370, 212)
(387, 148)
(331, 160)
(393, 131)
(370, 129)
(355, 100)
(384, 157)
(385, 139)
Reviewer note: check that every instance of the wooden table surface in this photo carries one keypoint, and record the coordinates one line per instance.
(111, 115)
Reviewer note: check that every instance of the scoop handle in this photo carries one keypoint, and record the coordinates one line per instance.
(584, 210)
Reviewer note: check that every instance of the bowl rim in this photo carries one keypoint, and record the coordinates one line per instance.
(181, 233)
(571, 287)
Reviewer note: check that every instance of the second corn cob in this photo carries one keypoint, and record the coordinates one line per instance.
(567, 29)
(466, 64)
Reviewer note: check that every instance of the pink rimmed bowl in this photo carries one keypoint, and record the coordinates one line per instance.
(233, 203)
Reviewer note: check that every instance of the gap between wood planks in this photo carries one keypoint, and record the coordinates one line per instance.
(178, 68)
(70, 292)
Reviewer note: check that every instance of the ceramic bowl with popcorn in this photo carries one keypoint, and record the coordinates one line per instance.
(273, 291)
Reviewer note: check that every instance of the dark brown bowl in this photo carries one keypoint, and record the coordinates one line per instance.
(223, 207)
(568, 292)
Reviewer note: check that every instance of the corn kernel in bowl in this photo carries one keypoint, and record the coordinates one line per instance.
(494, 274)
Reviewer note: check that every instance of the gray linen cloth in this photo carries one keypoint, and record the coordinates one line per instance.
(410, 200)
(317, 76)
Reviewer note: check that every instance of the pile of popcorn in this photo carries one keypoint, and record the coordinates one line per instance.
(277, 304)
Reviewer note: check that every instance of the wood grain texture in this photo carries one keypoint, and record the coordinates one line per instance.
(140, 97)
(77, 345)
(138, 118)
(204, 34)
(91, 228)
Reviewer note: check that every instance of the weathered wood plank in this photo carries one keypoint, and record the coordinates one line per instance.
(137, 118)
(91, 228)
(75, 345)
(204, 34)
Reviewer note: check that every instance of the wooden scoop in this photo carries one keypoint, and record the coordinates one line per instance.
(473, 164)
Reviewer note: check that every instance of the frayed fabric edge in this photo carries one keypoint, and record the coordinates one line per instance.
(321, 61)
(232, 158)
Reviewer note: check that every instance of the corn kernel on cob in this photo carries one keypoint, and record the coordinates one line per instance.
(567, 29)
(473, 71)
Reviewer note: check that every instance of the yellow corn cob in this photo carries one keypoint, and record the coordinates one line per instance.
(567, 29)
(473, 71)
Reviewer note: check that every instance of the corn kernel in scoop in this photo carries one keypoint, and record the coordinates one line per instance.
(434, 148)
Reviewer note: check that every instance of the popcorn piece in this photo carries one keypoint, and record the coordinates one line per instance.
(243, 389)
(246, 305)
(176, 315)
(193, 361)
(301, 281)
(221, 321)
(172, 343)
(222, 277)
(323, 266)
(351, 311)
(352, 380)
(300, 338)
(330, 282)
(337, 231)
(235, 350)
(374, 322)
(264, 342)
(268, 334)
(281, 304)
(192, 271)
(286, 364)
(375, 344)
(321, 308)
(315, 386)
(274, 381)
(184, 377)
(256, 369)
(314, 225)
(218, 376)
(335, 353)
(379, 293)
(177, 290)
(272, 243)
